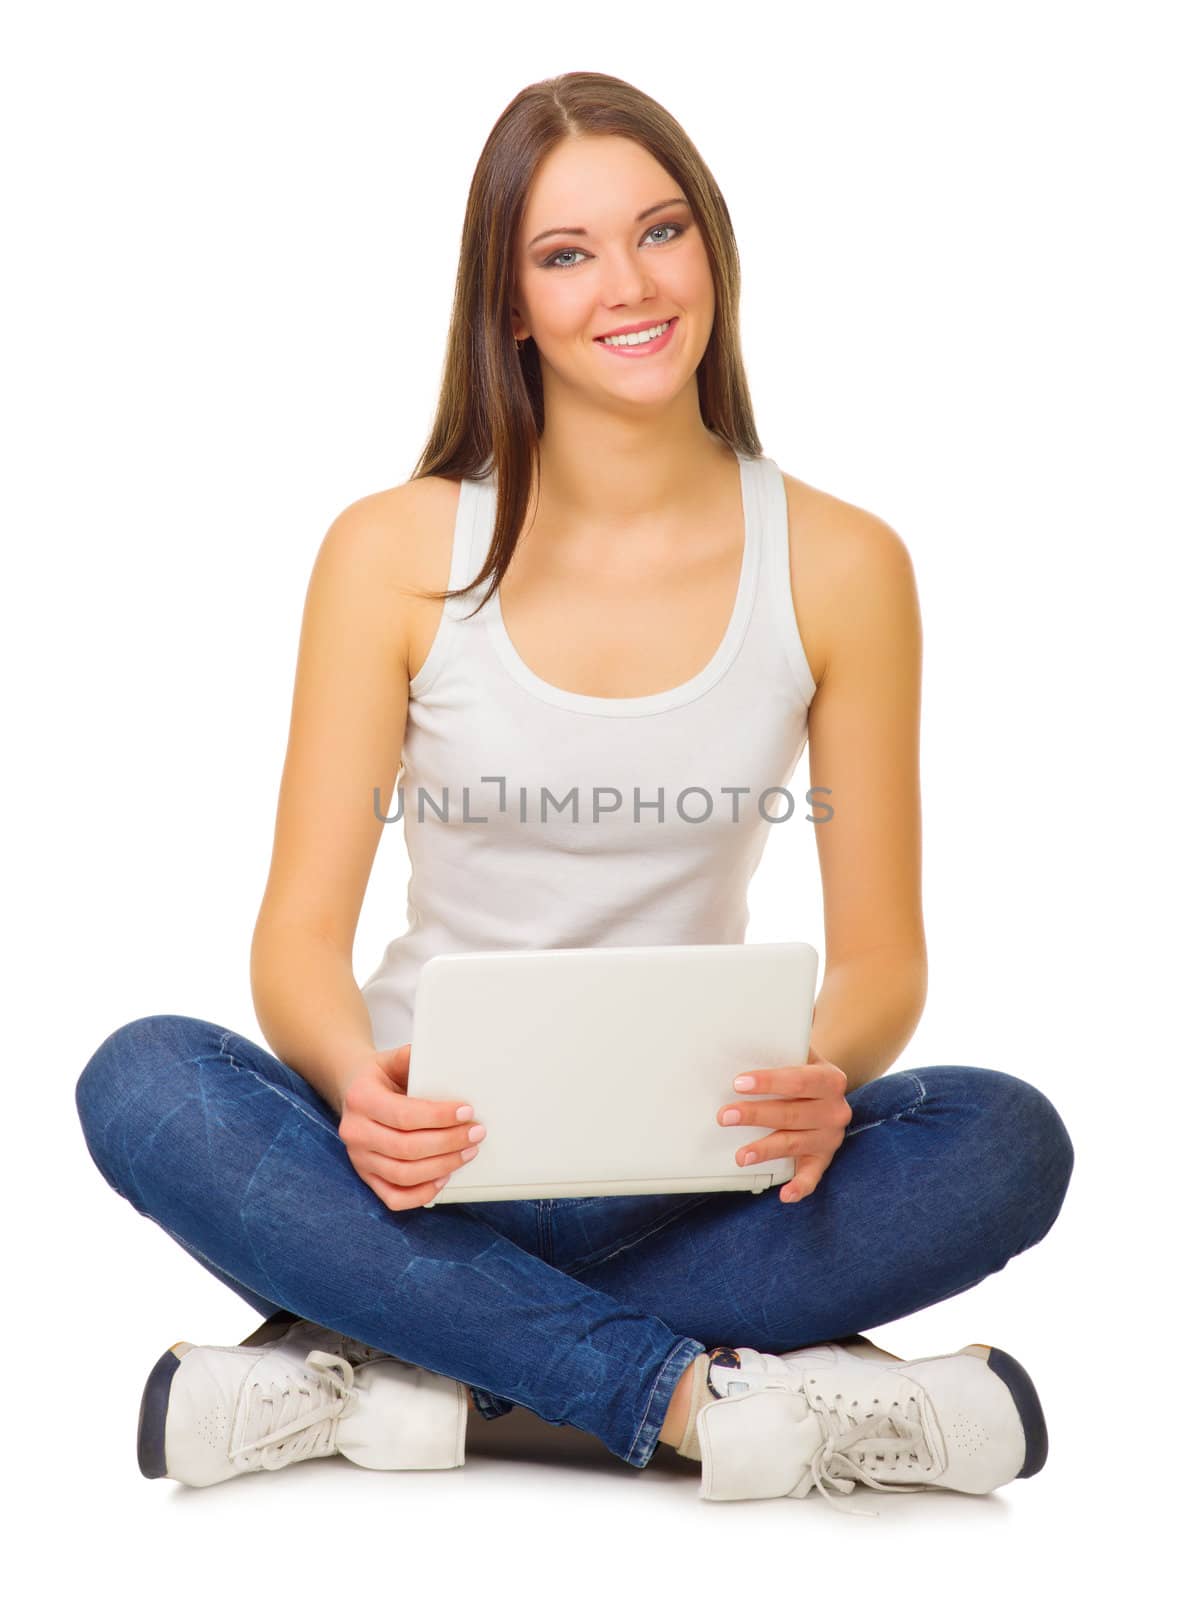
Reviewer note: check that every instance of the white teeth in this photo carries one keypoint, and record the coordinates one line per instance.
(638, 338)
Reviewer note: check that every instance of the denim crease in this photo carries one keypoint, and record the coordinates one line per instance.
(585, 1311)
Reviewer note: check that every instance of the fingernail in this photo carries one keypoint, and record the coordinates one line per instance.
(465, 1113)
(743, 1082)
(730, 1116)
(477, 1133)
(442, 1181)
(469, 1155)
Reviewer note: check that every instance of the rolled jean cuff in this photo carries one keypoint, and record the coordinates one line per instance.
(646, 1440)
(490, 1405)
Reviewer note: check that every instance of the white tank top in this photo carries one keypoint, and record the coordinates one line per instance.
(536, 818)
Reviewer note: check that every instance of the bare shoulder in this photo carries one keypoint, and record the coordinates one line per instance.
(846, 563)
(402, 538)
(404, 531)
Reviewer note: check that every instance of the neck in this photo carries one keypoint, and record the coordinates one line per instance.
(611, 473)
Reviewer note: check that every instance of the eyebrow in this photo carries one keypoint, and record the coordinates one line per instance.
(676, 200)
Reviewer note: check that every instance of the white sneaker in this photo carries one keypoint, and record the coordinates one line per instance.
(842, 1414)
(210, 1412)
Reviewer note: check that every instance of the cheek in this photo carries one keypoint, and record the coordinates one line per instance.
(695, 290)
(694, 277)
(557, 307)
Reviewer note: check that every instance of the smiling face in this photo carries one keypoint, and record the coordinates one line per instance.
(596, 250)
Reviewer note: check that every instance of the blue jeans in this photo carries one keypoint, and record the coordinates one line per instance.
(584, 1311)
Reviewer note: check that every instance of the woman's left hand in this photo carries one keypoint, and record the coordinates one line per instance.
(809, 1117)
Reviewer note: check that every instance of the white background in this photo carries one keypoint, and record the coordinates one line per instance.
(968, 306)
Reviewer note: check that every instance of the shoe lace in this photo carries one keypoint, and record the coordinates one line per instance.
(290, 1419)
(839, 1461)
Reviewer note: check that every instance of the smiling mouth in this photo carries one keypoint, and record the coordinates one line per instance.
(638, 336)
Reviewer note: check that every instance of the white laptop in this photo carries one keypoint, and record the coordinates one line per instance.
(600, 1071)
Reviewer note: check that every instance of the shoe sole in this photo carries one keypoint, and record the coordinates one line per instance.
(273, 1328)
(152, 1413)
(858, 1346)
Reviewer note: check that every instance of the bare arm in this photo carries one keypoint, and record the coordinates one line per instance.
(349, 711)
(864, 746)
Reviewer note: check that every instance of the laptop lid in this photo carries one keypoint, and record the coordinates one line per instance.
(599, 1071)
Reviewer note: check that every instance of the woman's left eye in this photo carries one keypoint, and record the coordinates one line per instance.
(553, 261)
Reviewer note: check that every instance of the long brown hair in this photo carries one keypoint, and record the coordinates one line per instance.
(490, 410)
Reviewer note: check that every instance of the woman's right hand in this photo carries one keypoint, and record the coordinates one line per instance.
(403, 1149)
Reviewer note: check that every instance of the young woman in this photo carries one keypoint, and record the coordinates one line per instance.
(594, 580)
